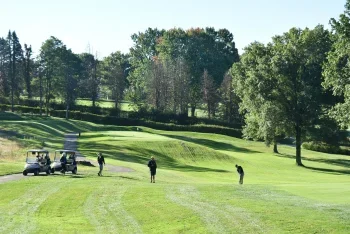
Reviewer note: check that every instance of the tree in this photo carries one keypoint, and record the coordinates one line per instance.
(336, 68)
(286, 75)
(51, 63)
(158, 86)
(90, 81)
(210, 94)
(229, 100)
(4, 67)
(264, 118)
(114, 70)
(71, 73)
(180, 77)
(202, 49)
(27, 64)
(142, 54)
(15, 63)
(297, 61)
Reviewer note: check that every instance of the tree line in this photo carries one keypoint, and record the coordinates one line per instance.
(165, 71)
(295, 86)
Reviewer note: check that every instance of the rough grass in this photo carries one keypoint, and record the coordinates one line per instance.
(196, 189)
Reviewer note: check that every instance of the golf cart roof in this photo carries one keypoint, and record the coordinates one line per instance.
(65, 151)
(37, 151)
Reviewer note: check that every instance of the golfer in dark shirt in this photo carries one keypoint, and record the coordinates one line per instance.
(153, 168)
(241, 173)
(101, 162)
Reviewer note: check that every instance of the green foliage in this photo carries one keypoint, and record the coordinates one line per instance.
(20, 109)
(264, 118)
(114, 71)
(336, 68)
(156, 53)
(326, 130)
(325, 148)
(283, 78)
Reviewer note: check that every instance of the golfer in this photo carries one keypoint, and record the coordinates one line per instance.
(63, 161)
(241, 173)
(101, 162)
(153, 168)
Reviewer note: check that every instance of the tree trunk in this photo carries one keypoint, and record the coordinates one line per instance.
(67, 110)
(47, 99)
(13, 77)
(41, 93)
(298, 145)
(275, 150)
(93, 102)
(209, 112)
(12, 98)
(193, 110)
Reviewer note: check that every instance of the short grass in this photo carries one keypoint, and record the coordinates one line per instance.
(196, 189)
(125, 106)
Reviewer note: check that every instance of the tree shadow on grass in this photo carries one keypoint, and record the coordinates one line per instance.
(76, 126)
(330, 171)
(336, 162)
(141, 156)
(216, 145)
(100, 135)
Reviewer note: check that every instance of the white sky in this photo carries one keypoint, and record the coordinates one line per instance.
(107, 25)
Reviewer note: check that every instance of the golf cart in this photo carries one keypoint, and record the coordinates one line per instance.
(37, 161)
(71, 161)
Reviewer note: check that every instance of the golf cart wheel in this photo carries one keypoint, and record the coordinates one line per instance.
(74, 171)
(25, 173)
(52, 170)
(48, 172)
(36, 172)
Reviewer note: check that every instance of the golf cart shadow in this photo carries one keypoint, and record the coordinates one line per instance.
(86, 163)
(81, 176)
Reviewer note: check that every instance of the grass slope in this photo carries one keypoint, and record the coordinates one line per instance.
(196, 187)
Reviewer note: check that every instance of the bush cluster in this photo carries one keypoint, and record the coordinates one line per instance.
(20, 109)
(325, 148)
(112, 120)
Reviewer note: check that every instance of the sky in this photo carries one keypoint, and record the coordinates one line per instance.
(105, 26)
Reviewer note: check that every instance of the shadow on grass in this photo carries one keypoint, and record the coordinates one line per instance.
(86, 176)
(141, 156)
(128, 178)
(330, 171)
(336, 162)
(102, 135)
(9, 116)
(216, 145)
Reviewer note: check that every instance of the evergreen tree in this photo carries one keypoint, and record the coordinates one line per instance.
(27, 68)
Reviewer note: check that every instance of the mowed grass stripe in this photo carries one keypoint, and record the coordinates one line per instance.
(156, 213)
(282, 212)
(219, 218)
(106, 212)
(63, 211)
(18, 216)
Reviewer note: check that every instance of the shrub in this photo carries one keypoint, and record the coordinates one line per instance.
(4, 100)
(20, 109)
(112, 120)
(325, 148)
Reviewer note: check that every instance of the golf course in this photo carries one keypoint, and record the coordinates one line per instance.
(196, 189)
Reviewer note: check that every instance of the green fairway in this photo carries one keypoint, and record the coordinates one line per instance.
(196, 189)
